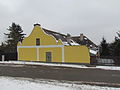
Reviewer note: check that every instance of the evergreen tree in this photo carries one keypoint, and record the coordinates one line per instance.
(117, 45)
(14, 36)
(2, 47)
(118, 33)
(104, 48)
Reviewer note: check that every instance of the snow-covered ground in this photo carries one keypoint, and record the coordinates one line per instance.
(109, 67)
(61, 65)
(15, 83)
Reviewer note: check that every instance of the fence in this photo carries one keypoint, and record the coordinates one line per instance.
(105, 60)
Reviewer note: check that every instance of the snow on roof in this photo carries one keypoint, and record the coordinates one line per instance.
(72, 43)
(93, 51)
(65, 43)
(61, 37)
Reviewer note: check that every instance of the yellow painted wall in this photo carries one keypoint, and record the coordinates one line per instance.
(28, 54)
(45, 39)
(76, 54)
(56, 54)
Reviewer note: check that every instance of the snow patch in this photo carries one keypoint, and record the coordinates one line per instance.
(45, 64)
(72, 43)
(10, 83)
(108, 67)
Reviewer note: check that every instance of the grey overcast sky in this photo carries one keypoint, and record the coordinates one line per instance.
(93, 18)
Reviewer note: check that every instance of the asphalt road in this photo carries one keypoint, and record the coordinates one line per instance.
(61, 73)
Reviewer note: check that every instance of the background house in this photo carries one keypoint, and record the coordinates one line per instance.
(84, 40)
(75, 40)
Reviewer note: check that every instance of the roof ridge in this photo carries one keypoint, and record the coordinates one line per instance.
(53, 32)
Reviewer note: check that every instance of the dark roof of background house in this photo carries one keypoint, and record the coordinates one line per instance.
(63, 37)
(86, 40)
(56, 35)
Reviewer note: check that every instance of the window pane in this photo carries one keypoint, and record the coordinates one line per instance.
(37, 41)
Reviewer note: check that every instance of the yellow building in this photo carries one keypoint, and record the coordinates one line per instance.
(42, 45)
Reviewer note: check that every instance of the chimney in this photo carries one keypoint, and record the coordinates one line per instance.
(68, 39)
(81, 37)
(37, 24)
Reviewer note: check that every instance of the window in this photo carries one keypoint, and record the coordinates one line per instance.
(37, 41)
